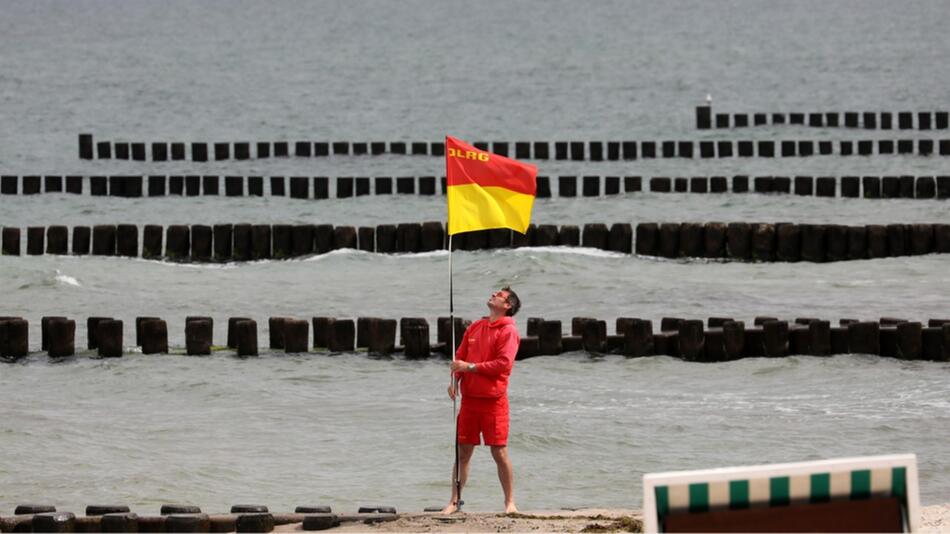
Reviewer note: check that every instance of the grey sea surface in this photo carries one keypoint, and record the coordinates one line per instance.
(64, 209)
(348, 429)
(554, 282)
(418, 70)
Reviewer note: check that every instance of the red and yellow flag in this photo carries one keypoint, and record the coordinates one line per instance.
(486, 190)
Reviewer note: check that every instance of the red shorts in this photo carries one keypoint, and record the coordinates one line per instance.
(483, 417)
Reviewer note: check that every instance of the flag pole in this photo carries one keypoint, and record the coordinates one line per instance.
(454, 379)
(458, 466)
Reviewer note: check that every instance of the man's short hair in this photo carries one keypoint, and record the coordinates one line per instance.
(512, 301)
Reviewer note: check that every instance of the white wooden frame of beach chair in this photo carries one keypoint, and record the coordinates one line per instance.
(767, 486)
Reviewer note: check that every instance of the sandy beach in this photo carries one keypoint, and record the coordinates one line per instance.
(583, 520)
(933, 519)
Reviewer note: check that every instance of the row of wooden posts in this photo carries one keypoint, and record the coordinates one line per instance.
(788, 242)
(541, 150)
(720, 339)
(742, 241)
(183, 518)
(105, 336)
(906, 186)
(920, 187)
(317, 187)
(870, 120)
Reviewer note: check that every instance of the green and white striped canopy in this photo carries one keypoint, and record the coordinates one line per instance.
(738, 488)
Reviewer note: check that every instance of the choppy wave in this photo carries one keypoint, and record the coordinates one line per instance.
(66, 279)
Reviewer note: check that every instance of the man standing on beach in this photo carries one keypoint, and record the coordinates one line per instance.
(483, 363)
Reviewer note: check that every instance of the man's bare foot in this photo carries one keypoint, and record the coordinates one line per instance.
(510, 508)
(450, 508)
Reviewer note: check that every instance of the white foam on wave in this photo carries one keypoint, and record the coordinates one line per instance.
(66, 279)
(333, 253)
(429, 254)
(521, 251)
(577, 251)
(185, 265)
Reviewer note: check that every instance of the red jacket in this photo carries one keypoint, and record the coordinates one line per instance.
(493, 347)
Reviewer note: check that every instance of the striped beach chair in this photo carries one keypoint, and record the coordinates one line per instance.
(864, 494)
